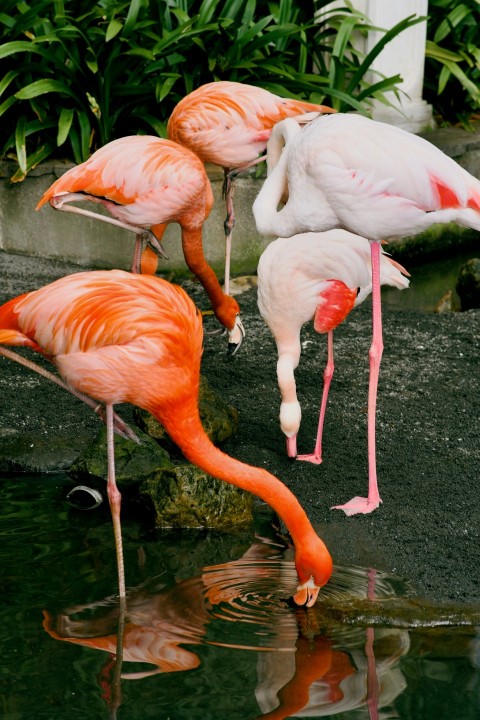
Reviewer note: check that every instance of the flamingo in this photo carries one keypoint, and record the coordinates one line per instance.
(146, 182)
(373, 179)
(122, 337)
(319, 277)
(228, 124)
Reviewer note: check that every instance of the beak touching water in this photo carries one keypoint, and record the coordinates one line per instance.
(235, 337)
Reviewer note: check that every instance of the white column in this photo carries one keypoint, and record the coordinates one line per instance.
(404, 55)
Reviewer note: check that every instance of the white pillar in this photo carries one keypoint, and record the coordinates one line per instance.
(404, 55)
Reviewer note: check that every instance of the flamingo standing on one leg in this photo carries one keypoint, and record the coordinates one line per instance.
(146, 182)
(121, 337)
(228, 124)
(319, 277)
(373, 179)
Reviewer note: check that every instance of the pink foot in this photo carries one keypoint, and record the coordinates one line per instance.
(358, 505)
(312, 458)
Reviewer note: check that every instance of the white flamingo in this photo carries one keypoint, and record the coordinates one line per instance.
(319, 277)
(376, 180)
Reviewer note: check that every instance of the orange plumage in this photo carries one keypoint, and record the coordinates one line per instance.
(123, 337)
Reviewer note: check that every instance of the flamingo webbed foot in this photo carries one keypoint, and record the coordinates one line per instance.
(358, 505)
(314, 458)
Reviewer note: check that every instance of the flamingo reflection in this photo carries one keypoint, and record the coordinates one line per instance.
(304, 668)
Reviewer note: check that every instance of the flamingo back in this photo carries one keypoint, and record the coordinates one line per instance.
(116, 336)
(148, 181)
(229, 123)
(317, 275)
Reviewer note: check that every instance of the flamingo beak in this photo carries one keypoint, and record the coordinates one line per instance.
(292, 446)
(307, 593)
(235, 337)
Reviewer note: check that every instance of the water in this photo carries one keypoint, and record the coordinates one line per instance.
(209, 633)
(429, 282)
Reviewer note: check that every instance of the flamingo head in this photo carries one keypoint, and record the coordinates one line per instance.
(314, 568)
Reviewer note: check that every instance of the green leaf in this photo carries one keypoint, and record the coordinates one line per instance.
(38, 156)
(40, 87)
(114, 27)
(132, 15)
(454, 18)
(64, 124)
(21, 143)
(7, 79)
(17, 46)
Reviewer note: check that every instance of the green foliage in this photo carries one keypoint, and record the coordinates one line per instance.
(77, 74)
(452, 66)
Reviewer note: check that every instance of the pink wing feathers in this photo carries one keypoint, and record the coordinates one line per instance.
(229, 123)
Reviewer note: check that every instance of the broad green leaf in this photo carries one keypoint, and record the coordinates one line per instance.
(7, 79)
(40, 87)
(18, 46)
(20, 143)
(38, 156)
(132, 15)
(64, 124)
(454, 18)
(114, 27)
(438, 53)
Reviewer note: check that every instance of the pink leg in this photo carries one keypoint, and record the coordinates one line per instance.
(120, 427)
(361, 504)
(60, 202)
(373, 689)
(316, 456)
(114, 498)
(292, 446)
(229, 186)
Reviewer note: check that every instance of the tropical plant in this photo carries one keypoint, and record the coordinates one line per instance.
(452, 65)
(77, 74)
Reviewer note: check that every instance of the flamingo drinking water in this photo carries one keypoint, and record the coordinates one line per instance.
(122, 337)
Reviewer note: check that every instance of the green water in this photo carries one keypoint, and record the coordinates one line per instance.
(209, 631)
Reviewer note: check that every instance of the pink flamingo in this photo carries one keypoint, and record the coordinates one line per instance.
(228, 124)
(373, 179)
(146, 183)
(319, 277)
(122, 337)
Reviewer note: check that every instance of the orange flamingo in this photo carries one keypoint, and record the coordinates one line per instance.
(146, 183)
(122, 337)
(228, 124)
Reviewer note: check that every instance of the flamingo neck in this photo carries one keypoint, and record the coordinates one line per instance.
(270, 220)
(184, 427)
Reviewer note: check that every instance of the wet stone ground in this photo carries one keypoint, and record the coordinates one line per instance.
(428, 427)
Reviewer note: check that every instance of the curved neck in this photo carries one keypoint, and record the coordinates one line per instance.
(185, 429)
(270, 220)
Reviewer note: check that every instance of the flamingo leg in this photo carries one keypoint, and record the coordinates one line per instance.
(316, 456)
(115, 499)
(228, 190)
(120, 427)
(228, 225)
(361, 504)
(60, 202)
(373, 688)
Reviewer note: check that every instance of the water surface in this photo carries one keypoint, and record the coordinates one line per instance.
(209, 631)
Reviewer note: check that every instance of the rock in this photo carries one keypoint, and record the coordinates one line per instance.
(133, 462)
(468, 284)
(184, 496)
(219, 420)
(448, 303)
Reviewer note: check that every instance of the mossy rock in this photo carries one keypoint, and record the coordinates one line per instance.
(468, 284)
(219, 420)
(133, 462)
(184, 496)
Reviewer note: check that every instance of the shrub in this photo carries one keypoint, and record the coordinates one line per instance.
(452, 63)
(77, 74)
